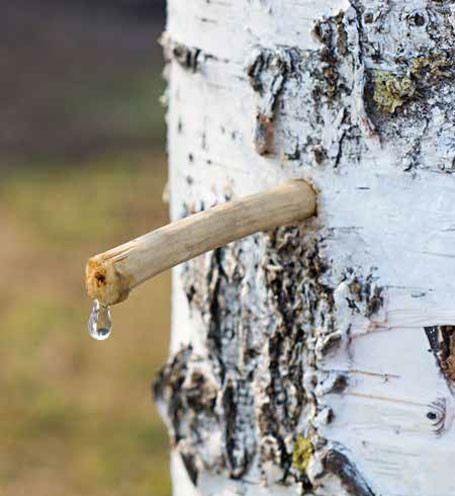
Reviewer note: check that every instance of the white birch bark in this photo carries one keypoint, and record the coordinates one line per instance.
(317, 359)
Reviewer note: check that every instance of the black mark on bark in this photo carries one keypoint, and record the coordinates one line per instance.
(442, 344)
(339, 464)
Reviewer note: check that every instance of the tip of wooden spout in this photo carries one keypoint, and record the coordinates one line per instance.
(104, 283)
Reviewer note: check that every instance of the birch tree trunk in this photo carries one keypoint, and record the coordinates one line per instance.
(319, 358)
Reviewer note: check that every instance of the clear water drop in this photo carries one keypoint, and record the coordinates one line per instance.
(100, 323)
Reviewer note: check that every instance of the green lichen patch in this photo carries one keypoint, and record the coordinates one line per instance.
(303, 452)
(434, 66)
(391, 92)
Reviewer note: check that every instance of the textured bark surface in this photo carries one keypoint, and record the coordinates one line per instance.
(319, 358)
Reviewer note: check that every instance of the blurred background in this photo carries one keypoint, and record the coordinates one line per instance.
(82, 169)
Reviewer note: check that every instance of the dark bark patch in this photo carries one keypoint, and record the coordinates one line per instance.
(167, 388)
(331, 33)
(230, 414)
(303, 306)
(263, 134)
(186, 394)
(339, 384)
(366, 296)
(339, 464)
(268, 73)
(191, 468)
(214, 284)
(320, 154)
(442, 345)
(237, 454)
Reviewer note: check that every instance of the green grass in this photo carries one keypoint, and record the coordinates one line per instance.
(76, 416)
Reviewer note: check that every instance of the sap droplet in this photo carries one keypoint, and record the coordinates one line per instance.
(100, 323)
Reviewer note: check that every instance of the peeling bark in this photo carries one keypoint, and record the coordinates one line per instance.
(319, 358)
